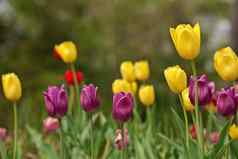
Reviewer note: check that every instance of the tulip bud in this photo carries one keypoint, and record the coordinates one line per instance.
(3, 134)
(205, 89)
(122, 108)
(11, 87)
(120, 143)
(147, 95)
(233, 132)
(50, 125)
(69, 77)
(56, 101)
(176, 78)
(214, 137)
(226, 64)
(142, 70)
(89, 100)
(121, 85)
(186, 40)
(67, 51)
(226, 102)
(188, 106)
(127, 71)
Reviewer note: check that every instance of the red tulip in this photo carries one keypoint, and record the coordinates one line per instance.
(69, 78)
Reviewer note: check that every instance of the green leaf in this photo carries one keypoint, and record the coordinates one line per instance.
(46, 151)
(221, 143)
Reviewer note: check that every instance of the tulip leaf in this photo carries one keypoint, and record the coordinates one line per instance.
(3, 150)
(45, 150)
(179, 123)
(221, 143)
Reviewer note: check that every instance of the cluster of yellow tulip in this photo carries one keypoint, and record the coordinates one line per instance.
(131, 73)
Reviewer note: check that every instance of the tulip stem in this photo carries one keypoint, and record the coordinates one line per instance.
(91, 135)
(122, 134)
(198, 128)
(61, 143)
(15, 130)
(75, 83)
(71, 98)
(186, 122)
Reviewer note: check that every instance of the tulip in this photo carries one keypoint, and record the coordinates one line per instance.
(188, 106)
(176, 78)
(186, 40)
(121, 85)
(233, 132)
(226, 64)
(69, 77)
(3, 134)
(89, 100)
(142, 70)
(214, 137)
(11, 87)
(134, 87)
(147, 95)
(127, 71)
(205, 89)
(50, 125)
(56, 101)
(66, 51)
(122, 108)
(226, 102)
(212, 105)
(120, 143)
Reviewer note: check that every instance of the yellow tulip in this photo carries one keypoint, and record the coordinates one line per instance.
(226, 64)
(176, 78)
(121, 85)
(134, 87)
(233, 132)
(188, 106)
(186, 40)
(147, 95)
(11, 87)
(127, 71)
(142, 70)
(211, 107)
(67, 51)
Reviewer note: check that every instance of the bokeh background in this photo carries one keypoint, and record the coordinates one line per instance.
(106, 33)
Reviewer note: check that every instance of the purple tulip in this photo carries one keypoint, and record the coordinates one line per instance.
(89, 100)
(226, 102)
(205, 89)
(56, 101)
(122, 108)
(50, 125)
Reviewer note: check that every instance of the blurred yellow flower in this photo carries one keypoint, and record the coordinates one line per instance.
(147, 95)
(176, 78)
(121, 85)
(226, 64)
(233, 132)
(67, 51)
(142, 70)
(134, 87)
(211, 107)
(188, 106)
(127, 71)
(186, 40)
(11, 87)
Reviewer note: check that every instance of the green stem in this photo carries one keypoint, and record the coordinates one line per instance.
(122, 133)
(75, 84)
(61, 143)
(15, 130)
(198, 129)
(91, 135)
(186, 122)
(71, 98)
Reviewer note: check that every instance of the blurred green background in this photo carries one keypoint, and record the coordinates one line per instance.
(106, 33)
